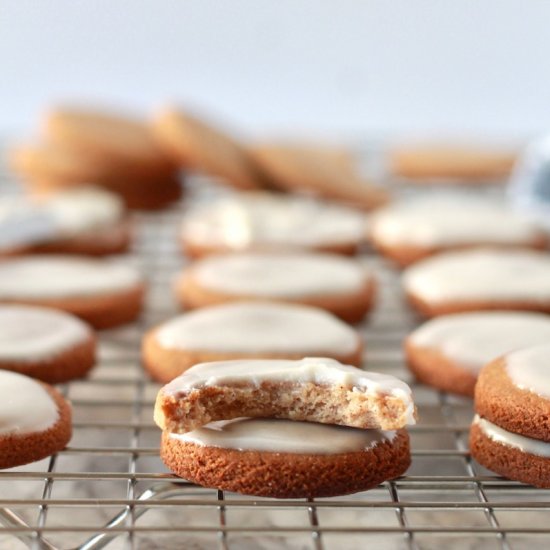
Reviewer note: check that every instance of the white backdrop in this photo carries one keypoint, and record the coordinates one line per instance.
(345, 68)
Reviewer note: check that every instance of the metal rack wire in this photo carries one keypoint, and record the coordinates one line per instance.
(109, 489)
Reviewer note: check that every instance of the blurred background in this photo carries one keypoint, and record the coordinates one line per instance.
(348, 69)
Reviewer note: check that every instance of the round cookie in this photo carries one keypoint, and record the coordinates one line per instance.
(46, 344)
(319, 170)
(193, 143)
(448, 352)
(511, 433)
(47, 168)
(247, 330)
(337, 284)
(286, 459)
(412, 230)
(481, 279)
(109, 140)
(81, 221)
(451, 162)
(103, 293)
(35, 420)
(266, 222)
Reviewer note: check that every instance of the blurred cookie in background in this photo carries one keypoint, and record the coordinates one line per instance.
(270, 221)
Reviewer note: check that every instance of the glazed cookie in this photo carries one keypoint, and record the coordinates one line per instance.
(414, 229)
(312, 389)
(103, 293)
(339, 285)
(511, 432)
(46, 344)
(195, 144)
(448, 162)
(319, 171)
(265, 221)
(81, 221)
(35, 420)
(448, 352)
(480, 280)
(285, 459)
(247, 330)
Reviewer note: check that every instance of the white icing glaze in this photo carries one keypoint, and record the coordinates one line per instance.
(82, 210)
(481, 274)
(451, 220)
(25, 406)
(524, 444)
(38, 277)
(24, 221)
(263, 219)
(317, 370)
(529, 369)
(474, 339)
(255, 327)
(280, 275)
(284, 436)
(34, 333)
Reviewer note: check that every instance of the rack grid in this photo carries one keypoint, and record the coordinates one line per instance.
(109, 489)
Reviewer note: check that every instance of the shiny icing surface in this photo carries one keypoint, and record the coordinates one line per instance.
(474, 339)
(284, 436)
(449, 220)
(24, 221)
(265, 219)
(529, 369)
(520, 442)
(317, 370)
(256, 327)
(481, 274)
(280, 275)
(37, 277)
(25, 406)
(33, 333)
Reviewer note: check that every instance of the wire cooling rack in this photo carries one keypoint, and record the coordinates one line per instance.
(109, 489)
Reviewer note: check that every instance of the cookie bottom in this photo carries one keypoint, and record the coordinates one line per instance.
(429, 309)
(508, 461)
(19, 449)
(68, 365)
(434, 369)
(351, 307)
(287, 475)
(103, 311)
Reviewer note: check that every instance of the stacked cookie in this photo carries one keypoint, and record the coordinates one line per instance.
(82, 147)
(511, 431)
(285, 429)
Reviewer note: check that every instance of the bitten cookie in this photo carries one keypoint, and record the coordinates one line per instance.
(414, 229)
(285, 459)
(46, 344)
(448, 162)
(312, 389)
(81, 221)
(448, 352)
(35, 420)
(340, 285)
(103, 293)
(193, 143)
(481, 279)
(317, 170)
(264, 221)
(247, 330)
(511, 432)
